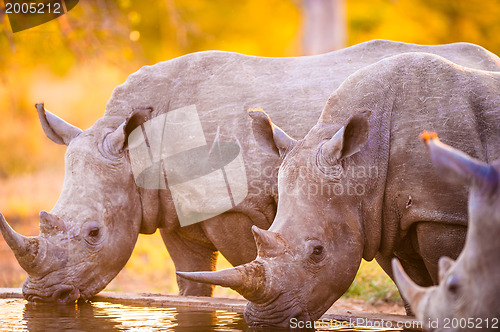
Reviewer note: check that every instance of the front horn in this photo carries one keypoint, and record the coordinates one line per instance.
(25, 248)
(408, 289)
(248, 279)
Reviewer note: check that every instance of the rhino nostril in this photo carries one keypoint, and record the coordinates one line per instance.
(63, 295)
(34, 298)
(67, 294)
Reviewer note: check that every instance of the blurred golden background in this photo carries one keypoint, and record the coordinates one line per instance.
(74, 62)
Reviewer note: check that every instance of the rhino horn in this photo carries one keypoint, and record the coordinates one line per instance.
(249, 279)
(409, 290)
(50, 223)
(269, 244)
(25, 248)
(456, 166)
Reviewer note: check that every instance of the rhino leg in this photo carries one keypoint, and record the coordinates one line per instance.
(436, 240)
(189, 254)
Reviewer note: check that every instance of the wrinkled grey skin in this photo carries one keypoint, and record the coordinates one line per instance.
(90, 233)
(468, 287)
(403, 209)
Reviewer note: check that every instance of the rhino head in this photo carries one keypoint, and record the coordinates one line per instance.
(88, 236)
(310, 255)
(468, 287)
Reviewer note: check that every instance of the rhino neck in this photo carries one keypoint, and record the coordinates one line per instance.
(150, 205)
(150, 186)
(369, 166)
(370, 169)
(158, 210)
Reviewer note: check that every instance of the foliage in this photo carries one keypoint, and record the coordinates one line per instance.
(426, 21)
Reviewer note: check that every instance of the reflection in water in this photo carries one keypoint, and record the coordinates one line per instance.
(53, 317)
(19, 315)
(189, 320)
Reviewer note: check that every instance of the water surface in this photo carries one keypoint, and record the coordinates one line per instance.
(20, 315)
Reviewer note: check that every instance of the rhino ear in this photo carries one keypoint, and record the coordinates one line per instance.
(456, 166)
(349, 139)
(115, 142)
(58, 130)
(270, 138)
(445, 263)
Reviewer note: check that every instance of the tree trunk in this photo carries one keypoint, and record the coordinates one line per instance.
(324, 26)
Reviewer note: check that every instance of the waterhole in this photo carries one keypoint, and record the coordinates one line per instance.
(20, 315)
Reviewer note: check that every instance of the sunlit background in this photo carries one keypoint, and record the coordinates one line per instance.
(74, 62)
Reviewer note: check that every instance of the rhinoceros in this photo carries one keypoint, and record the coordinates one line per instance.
(358, 186)
(468, 295)
(90, 233)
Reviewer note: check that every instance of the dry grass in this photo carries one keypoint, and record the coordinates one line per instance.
(373, 285)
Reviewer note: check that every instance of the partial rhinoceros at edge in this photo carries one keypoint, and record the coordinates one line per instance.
(360, 186)
(468, 294)
(87, 238)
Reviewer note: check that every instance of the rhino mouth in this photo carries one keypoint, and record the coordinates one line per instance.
(276, 313)
(62, 294)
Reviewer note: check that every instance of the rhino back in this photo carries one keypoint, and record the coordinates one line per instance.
(292, 90)
(223, 85)
(465, 54)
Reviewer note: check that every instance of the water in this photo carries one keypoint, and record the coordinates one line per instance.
(19, 315)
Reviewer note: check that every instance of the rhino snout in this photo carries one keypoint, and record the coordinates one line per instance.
(278, 312)
(63, 294)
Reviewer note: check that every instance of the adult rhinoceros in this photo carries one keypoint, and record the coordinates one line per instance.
(90, 233)
(468, 295)
(358, 186)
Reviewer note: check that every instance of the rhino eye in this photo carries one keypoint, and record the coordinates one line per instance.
(92, 233)
(318, 250)
(453, 285)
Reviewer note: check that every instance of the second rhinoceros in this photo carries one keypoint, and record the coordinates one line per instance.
(88, 236)
(468, 295)
(359, 186)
